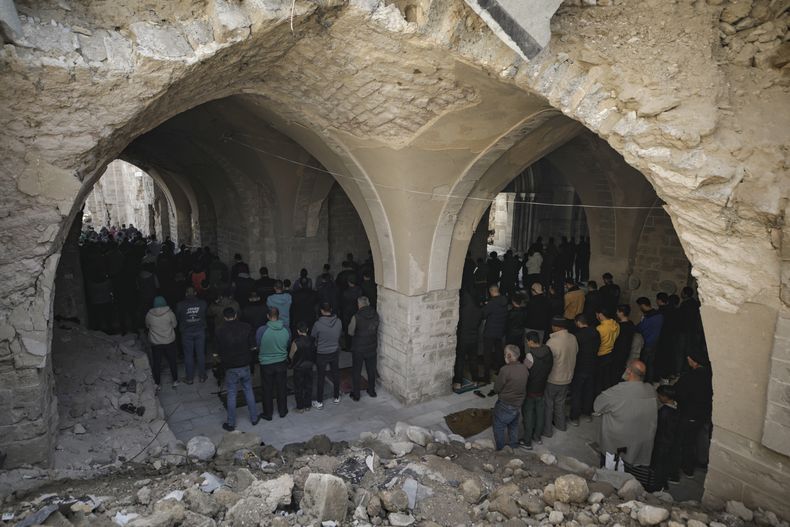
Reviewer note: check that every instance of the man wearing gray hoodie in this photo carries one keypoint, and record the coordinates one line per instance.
(327, 331)
(161, 323)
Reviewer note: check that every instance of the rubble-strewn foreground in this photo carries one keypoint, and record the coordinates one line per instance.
(401, 477)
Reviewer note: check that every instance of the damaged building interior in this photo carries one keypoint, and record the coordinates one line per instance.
(416, 135)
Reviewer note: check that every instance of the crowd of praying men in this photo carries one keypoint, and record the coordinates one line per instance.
(562, 349)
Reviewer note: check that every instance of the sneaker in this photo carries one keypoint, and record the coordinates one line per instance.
(300, 410)
(176, 384)
(526, 446)
(226, 426)
(318, 405)
(190, 381)
(539, 441)
(689, 476)
(674, 480)
(589, 419)
(575, 422)
(203, 378)
(336, 400)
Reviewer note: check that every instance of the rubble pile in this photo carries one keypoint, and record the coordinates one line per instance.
(438, 479)
(108, 409)
(755, 33)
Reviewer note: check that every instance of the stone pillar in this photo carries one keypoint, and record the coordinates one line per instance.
(741, 467)
(417, 343)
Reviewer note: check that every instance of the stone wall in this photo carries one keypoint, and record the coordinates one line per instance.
(123, 195)
(660, 263)
(417, 343)
(346, 232)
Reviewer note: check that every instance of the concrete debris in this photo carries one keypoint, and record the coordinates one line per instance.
(201, 448)
(414, 488)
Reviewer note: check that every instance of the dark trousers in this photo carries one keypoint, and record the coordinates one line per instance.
(466, 356)
(604, 373)
(582, 395)
(322, 361)
(649, 358)
(169, 352)
(357, 361)
(689, 431)
(492, 356)
(273, 378)
(303, 387)
(101, 316)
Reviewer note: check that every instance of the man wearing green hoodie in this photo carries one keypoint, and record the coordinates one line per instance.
(273, 339)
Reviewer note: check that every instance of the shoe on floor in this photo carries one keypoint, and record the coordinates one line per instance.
(575, 422)
(203, 378)
(258, 420)
(336, 400)
(589, 419)
(355, 398)
(176, 384)
(300, 410)
(491, 393)
(190, 381)
(373, 394)
(226, 426)
(282, 416)
(265, 418)
(318, 405)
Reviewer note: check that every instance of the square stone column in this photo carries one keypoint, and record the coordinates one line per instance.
(417, 343)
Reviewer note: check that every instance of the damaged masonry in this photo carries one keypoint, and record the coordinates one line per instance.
(406, 132)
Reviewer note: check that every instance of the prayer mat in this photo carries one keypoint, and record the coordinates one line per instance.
(345, 380)
(469, 422)
(466, 386)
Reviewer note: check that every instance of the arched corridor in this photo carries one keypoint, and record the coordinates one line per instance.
(255, 118)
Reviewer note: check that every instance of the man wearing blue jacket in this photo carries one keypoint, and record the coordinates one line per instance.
(650, 328)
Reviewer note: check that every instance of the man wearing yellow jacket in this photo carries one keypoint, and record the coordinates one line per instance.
(608, 329)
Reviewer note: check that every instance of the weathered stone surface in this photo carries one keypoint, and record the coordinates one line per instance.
(394, 500)
(649, 515)
(325, 498)
(201, 448)
(505, 505)
(274, 492)
(571, 489)
(237, 440)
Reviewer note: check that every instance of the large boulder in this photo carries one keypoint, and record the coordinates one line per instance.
(649, 515)
(631, 490)
(236, 440)
(325, 498)
(571, 488)
(247, 512)
(274, 492)
(319, 444)
(418, 435)
(401, 448)
(201, 448)
(395, 500)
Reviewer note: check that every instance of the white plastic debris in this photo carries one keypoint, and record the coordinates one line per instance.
(122, 518)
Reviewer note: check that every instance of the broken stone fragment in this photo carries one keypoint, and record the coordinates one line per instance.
(571, 488)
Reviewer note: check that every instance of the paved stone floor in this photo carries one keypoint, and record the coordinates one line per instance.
(197, 410)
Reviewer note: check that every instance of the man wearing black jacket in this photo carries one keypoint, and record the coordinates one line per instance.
(516, 320)
(495, 315)
(539, 360)
(582, 386)
(538, 311)
(694, 392)
(235, 341)
(467, 339)
(302, 356)
(622, 345)
(364, 332)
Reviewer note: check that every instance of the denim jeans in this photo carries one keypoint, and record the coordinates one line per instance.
(234, 377)
(194, 346)
(505, 417)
